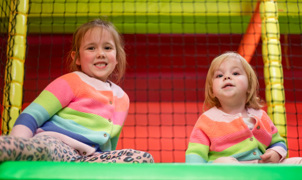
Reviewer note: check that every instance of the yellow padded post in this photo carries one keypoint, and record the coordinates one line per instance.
(14, 70)
(272, 59)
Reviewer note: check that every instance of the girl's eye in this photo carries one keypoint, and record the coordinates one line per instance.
(219, 76)
(235, 73)
(90, 48)
(108, 47)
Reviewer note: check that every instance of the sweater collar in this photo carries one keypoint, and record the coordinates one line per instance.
(217, 115)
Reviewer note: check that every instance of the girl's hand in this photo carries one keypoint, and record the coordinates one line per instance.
(21, 131)
(270, 156)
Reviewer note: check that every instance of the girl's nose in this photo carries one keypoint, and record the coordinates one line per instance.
(227, 77)
(101, 54)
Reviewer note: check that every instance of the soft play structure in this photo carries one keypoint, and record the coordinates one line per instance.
(169, 46)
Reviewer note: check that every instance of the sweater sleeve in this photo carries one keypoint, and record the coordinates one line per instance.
(121, 112)
(48, 103)
(278, 143)
(198, 148)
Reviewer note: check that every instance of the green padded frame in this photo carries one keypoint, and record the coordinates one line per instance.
(181, 171)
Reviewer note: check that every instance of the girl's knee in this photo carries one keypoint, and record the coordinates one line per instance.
(293, 160)
(148, 158)
(141, 156)
(230, 160)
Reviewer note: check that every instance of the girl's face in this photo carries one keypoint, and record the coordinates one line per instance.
(230, 82)
(97, 53)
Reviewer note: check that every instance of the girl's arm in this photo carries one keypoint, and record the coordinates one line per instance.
(48, 103)
(198, 148)
(121, 111)
(278, 143)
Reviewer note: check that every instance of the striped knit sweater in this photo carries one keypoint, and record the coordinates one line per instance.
(217, 134)
(84, 112)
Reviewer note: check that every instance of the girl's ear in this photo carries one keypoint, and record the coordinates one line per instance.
(73, 56)
(73, 53)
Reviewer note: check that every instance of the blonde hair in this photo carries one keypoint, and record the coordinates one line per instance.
(253, 100)
(78, 35)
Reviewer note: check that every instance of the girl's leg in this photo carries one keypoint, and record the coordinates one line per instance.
(228, 160)
(119, 156)
(38, 148)
(293, 160)
(232, 160)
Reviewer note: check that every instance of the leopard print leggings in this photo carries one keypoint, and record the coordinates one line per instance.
(47, 148)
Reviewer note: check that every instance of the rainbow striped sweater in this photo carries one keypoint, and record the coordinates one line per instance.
(217, 134)
(84, 112)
